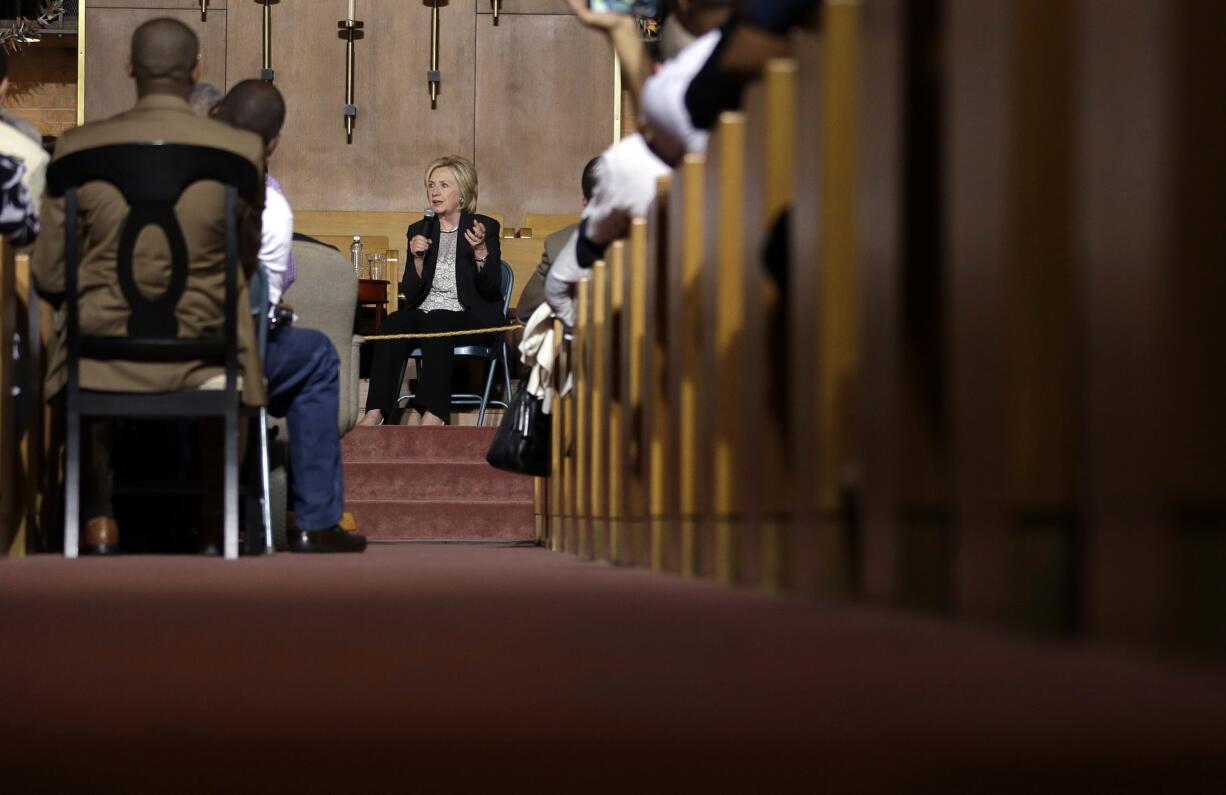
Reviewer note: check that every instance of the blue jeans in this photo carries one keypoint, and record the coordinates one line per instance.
(304, 387)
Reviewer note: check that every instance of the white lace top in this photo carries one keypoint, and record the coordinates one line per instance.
(443, 292)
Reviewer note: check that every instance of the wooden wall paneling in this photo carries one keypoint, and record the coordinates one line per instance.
(396, 134)
(544, 107)
(520, 7)
(684, 369)
(1012, 285)
(108, 30)
(162, 5)
(1150, 248)
(880, 190)
(664, 546)
(601, 332)
(545, 224)
(724, 316)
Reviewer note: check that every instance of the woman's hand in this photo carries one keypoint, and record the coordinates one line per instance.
(597, 20)
(476, 239)
(418, 246)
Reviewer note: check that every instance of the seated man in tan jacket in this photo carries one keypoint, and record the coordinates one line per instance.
(165, 64)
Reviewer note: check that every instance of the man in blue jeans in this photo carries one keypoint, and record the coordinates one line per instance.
(301, 364)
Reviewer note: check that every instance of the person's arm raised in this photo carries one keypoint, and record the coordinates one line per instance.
(623, 32)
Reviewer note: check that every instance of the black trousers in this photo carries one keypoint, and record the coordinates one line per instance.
(433, 392)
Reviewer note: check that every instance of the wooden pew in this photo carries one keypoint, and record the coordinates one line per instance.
(688, 381)
(542, 225)
(664, 546)
(1152, 286)
(598, 499)
(1013, 385)
(579, 541)
(635, 548)
(614, 355)
(766, 468)
(11, 523)
(558, 443)
(826, 300)
(724, 403)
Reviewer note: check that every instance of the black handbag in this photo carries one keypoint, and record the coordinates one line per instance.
(523, 439)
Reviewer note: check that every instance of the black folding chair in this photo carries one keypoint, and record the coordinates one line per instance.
(152, 177)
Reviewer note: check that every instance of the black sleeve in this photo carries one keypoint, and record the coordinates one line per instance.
(713, 91)
(489, 276)
(410, 282)
(587, 251)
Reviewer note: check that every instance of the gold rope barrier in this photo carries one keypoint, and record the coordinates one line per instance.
(434, 334)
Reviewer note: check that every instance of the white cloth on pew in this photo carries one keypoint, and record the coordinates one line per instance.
(538, 350)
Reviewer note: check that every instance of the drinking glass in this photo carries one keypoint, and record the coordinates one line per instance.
(377, 267)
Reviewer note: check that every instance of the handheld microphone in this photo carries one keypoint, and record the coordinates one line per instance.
(431, 222)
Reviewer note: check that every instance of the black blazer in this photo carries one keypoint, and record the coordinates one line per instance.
(480, 291)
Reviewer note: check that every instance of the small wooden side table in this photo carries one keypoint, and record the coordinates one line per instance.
(373, 293)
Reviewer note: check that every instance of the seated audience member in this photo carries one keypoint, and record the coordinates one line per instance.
(19, 140)
(205, 98)
(301, 364)
(18, 221)
(679, 105)
(165, 62)
(454, 283)
(533, 294)
(626, 173)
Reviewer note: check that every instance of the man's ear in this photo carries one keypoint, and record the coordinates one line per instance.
(131, 68)
(4, 87)
(271, 146)
(197, 70)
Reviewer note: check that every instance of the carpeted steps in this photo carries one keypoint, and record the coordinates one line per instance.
(418, 484)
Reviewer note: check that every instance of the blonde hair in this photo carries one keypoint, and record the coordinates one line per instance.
(465, 178)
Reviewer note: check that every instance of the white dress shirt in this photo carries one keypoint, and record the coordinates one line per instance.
(276, 242)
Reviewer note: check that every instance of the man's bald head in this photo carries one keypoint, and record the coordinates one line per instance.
(165, 51)
(256, 106)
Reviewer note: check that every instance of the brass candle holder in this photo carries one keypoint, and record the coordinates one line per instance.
(350, 31)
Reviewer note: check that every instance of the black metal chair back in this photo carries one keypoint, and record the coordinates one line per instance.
(152, 178)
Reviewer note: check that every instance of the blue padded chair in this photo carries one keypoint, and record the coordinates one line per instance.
(492, 354)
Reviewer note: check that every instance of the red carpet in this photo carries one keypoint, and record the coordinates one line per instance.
(468, 667)
(433, 484)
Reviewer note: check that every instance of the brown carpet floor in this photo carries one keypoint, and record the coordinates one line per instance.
(422, 668)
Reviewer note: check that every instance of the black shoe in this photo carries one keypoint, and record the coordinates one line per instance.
(333, 539)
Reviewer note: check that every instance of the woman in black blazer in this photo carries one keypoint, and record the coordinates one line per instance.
(452, 281)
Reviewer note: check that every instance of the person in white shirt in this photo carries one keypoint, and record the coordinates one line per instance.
(627, 172)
